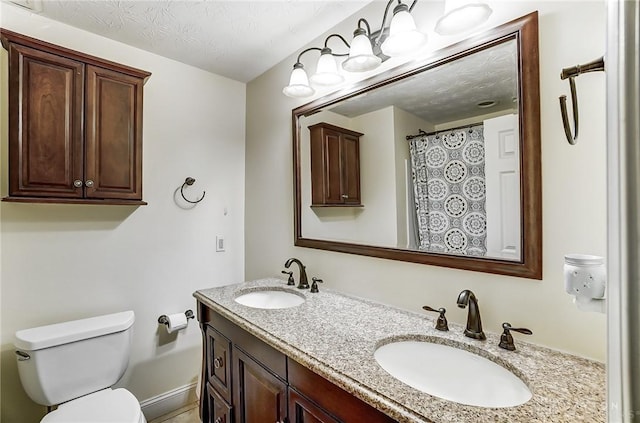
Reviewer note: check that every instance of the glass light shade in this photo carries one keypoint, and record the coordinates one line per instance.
(461, 16)
(361, 57)
(403, 36)
(298, 83)
(327, 70)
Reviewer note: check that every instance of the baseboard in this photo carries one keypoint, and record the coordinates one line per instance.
(169, 401)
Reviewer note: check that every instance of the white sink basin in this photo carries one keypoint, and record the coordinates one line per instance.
(270, 299)
(452, 374)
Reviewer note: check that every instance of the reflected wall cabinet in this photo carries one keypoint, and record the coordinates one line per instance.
(335, 166)
(75, 125)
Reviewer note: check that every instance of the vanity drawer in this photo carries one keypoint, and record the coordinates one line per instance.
(220, 410)
(219, 363)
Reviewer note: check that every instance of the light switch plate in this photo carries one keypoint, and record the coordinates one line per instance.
(220, 244)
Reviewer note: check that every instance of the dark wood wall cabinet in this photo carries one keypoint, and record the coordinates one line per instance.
(75, 125)
(247, 381)
(335, 166)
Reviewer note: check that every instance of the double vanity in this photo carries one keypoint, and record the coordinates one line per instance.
(277, 353)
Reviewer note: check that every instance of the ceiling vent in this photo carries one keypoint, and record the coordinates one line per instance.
(32, 5)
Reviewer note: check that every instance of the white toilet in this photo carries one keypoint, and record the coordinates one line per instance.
(74, 364)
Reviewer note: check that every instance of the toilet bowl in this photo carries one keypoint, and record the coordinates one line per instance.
(106, 406)
(74, 365)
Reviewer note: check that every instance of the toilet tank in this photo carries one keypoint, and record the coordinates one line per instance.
(63, 361)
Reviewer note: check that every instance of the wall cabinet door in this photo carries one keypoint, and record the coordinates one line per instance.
(46, 98)
(258, 395)
(301, 410)
(113, 139)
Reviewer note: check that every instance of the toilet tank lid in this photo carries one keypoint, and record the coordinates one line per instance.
(76, 330)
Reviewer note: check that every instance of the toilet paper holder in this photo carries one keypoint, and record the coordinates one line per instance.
(165, 320)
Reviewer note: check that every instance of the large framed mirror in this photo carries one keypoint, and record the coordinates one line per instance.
(435, 162)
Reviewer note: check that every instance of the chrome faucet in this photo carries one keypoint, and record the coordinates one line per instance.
(303, 284)
(474, 324)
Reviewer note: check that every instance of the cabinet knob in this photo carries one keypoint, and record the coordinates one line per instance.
(77, 183)
(218, 362)
(218, 420)
(345, 196)
(89, 183)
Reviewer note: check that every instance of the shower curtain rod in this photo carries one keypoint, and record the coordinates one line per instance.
(422, 133)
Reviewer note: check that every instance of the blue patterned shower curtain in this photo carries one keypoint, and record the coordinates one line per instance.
(449, 191)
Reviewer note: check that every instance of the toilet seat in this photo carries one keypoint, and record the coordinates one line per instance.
(105, 406)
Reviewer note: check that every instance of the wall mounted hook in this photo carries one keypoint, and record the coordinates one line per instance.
(571, 73)
(190, 181)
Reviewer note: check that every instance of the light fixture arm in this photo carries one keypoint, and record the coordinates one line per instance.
(384, 20)
(326, 41)
(305, 51)
(363, 20)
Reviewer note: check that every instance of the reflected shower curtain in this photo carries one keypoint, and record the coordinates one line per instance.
(449, 190)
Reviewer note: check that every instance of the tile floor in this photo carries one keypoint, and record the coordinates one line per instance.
(188, 414)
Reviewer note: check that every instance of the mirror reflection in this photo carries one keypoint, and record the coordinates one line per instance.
(429, 163)
(434, 162)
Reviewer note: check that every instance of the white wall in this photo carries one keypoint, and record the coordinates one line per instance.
(574, 192)
(63, 262)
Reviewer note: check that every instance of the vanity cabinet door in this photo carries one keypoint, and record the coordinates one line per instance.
(258, 395)
(325, 397)
(218, 362)
(302, 410)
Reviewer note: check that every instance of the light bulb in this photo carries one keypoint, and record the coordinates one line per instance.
(403, 35)
(461, 16)
(327, 70)
(298, 83)
(361, 57)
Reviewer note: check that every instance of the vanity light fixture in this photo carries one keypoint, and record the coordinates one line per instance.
(366, 51)
(369, 49)
(462, 15)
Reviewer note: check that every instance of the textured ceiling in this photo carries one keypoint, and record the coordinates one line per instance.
(449, 92)
(238, 39)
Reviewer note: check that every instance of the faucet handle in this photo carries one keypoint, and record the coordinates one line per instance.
(314, 284)
(506, 340)
(441, 323)
(290, 281)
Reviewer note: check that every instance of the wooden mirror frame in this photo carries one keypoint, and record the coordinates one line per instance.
(525, 31)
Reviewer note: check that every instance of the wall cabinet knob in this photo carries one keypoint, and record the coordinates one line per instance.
(218, 362)
(89, 183)
(345, 196)
(77, 183)
(218, 420)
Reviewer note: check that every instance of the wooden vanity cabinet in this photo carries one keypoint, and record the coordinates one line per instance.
(75, 125)
(335, 166)
(266, 385)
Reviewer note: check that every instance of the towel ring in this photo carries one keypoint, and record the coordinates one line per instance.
(190, 181)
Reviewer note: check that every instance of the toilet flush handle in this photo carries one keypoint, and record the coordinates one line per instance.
(22, 356)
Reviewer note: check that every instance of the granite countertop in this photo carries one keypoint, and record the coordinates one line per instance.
(335, 335)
